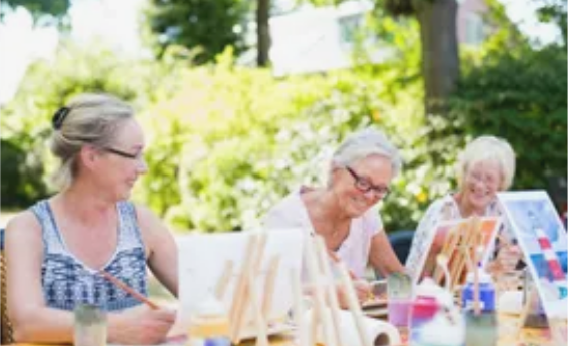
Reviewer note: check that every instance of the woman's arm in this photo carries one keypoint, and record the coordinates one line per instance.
(31, 319)
(162, 249)
(34, 322)
(382, 255)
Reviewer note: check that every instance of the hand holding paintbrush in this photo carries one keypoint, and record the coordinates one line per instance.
(129, 290)
(145, 324)
(362, 287)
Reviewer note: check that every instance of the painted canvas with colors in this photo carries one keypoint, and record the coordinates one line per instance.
(543, 240)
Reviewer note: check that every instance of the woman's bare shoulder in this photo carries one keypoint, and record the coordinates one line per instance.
(23, 226)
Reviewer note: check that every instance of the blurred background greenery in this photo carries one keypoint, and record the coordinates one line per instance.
(227, 139)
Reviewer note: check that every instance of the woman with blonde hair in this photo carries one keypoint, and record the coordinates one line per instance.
(486, 166)
(57, 250)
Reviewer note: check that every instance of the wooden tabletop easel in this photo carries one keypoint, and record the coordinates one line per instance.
(326, 307)
(247, 309)
(460, 245)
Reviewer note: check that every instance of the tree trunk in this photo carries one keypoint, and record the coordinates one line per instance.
(263, 36)
(440, 57)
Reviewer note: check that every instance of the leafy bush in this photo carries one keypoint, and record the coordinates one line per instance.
(225, 143)
(20, 185)
(48, 85)
(233, 141)
(521, 97)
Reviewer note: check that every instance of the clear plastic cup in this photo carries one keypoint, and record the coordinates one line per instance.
(89, 326)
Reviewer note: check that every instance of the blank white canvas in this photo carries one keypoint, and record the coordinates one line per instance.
(202, 259)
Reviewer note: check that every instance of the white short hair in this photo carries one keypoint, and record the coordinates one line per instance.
(488, 148)
(365, 143)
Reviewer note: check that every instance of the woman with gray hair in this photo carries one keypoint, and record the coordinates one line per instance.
(343, 212)
(58, 250)
(486, 166)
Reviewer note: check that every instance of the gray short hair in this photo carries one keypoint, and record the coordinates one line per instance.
(365, 143)
(86, 119)
(485, 148)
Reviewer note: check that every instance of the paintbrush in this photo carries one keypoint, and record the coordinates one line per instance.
(129, 290)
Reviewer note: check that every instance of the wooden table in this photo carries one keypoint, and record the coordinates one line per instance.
(509, 336)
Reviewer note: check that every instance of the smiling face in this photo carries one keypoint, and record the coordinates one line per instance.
(359, 190)
(481, 183)
(119, 164)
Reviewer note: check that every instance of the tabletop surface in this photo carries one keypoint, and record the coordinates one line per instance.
(509, 334)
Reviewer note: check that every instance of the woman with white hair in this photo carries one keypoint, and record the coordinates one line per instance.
(485, 167)
(343, 212)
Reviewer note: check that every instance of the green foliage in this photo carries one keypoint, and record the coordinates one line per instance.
(225, 143)
(520, 96)
(48, 10)
(502, 33)
(233, 141)
(20, 186)
(203, 27)
(555, 11)
(26, 120)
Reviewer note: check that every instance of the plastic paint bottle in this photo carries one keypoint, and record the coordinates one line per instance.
(481, 326)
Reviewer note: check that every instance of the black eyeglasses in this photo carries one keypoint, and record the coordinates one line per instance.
(364, 185)
(121, 153)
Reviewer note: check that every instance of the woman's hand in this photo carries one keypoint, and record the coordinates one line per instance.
(363, 291)
(141, 325)
(509, 256)
(506, 261)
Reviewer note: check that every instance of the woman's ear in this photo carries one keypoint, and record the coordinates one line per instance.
(333, 170)
(88, 155)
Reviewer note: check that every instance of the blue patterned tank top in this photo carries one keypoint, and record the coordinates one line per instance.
(66, 281)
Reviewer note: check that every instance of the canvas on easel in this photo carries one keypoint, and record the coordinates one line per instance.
(543, 240)
(242, 271)
(452, 239)
(469, 243)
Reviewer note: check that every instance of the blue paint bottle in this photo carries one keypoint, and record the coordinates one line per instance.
(481, 327)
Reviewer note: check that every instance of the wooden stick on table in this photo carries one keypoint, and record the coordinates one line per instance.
(224, 279)
(250, 269)
(320, 313)
(473, 229)
(456, 262)
(354, 305)
(450, 245)
(269, 286)
(260, 323)
(330, 290)
(472, 266)
(337, 259)
(240, 293)
(298, 308)
(476, 295)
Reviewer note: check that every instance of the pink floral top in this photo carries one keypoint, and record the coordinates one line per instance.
(443, 209)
